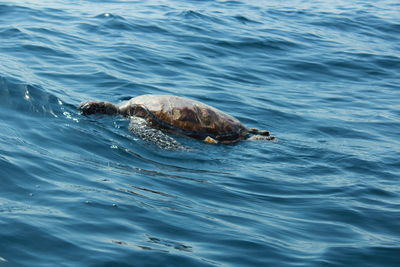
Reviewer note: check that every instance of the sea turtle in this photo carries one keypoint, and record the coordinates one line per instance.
(152, 115)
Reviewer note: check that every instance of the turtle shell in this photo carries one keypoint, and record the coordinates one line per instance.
(185, 116)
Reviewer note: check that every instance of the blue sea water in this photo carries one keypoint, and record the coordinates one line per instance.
(323, 76)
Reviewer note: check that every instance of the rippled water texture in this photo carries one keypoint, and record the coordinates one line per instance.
(322, 76)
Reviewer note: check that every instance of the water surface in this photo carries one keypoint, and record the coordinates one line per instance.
(82, 191)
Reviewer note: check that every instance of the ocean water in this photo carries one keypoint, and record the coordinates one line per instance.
(322, 76)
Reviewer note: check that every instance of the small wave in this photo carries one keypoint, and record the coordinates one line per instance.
(196, 15)
(12, 32)
(257, 44)
(246, 20)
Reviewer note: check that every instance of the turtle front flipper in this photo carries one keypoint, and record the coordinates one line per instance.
(139, 127)
(210, 140)
(100, 107)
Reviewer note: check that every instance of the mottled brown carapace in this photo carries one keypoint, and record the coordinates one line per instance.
(185, 116)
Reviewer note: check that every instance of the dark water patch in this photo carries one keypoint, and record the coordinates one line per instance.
(11, 10)
(11, 32)
(313, 70)
(256, 44)
(156, 28)
(347, 133)
(46, 51)
(386, 28)
(52, 34)
(368, 64)
(343, 24)
(21, 14)
(351, 255)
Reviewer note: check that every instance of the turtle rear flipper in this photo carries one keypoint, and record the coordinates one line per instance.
(139, 127)
(258, 137)
(258, 131)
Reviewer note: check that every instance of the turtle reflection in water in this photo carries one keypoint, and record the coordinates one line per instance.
(153, 115)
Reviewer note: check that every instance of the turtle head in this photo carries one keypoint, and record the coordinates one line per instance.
(88, 108)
